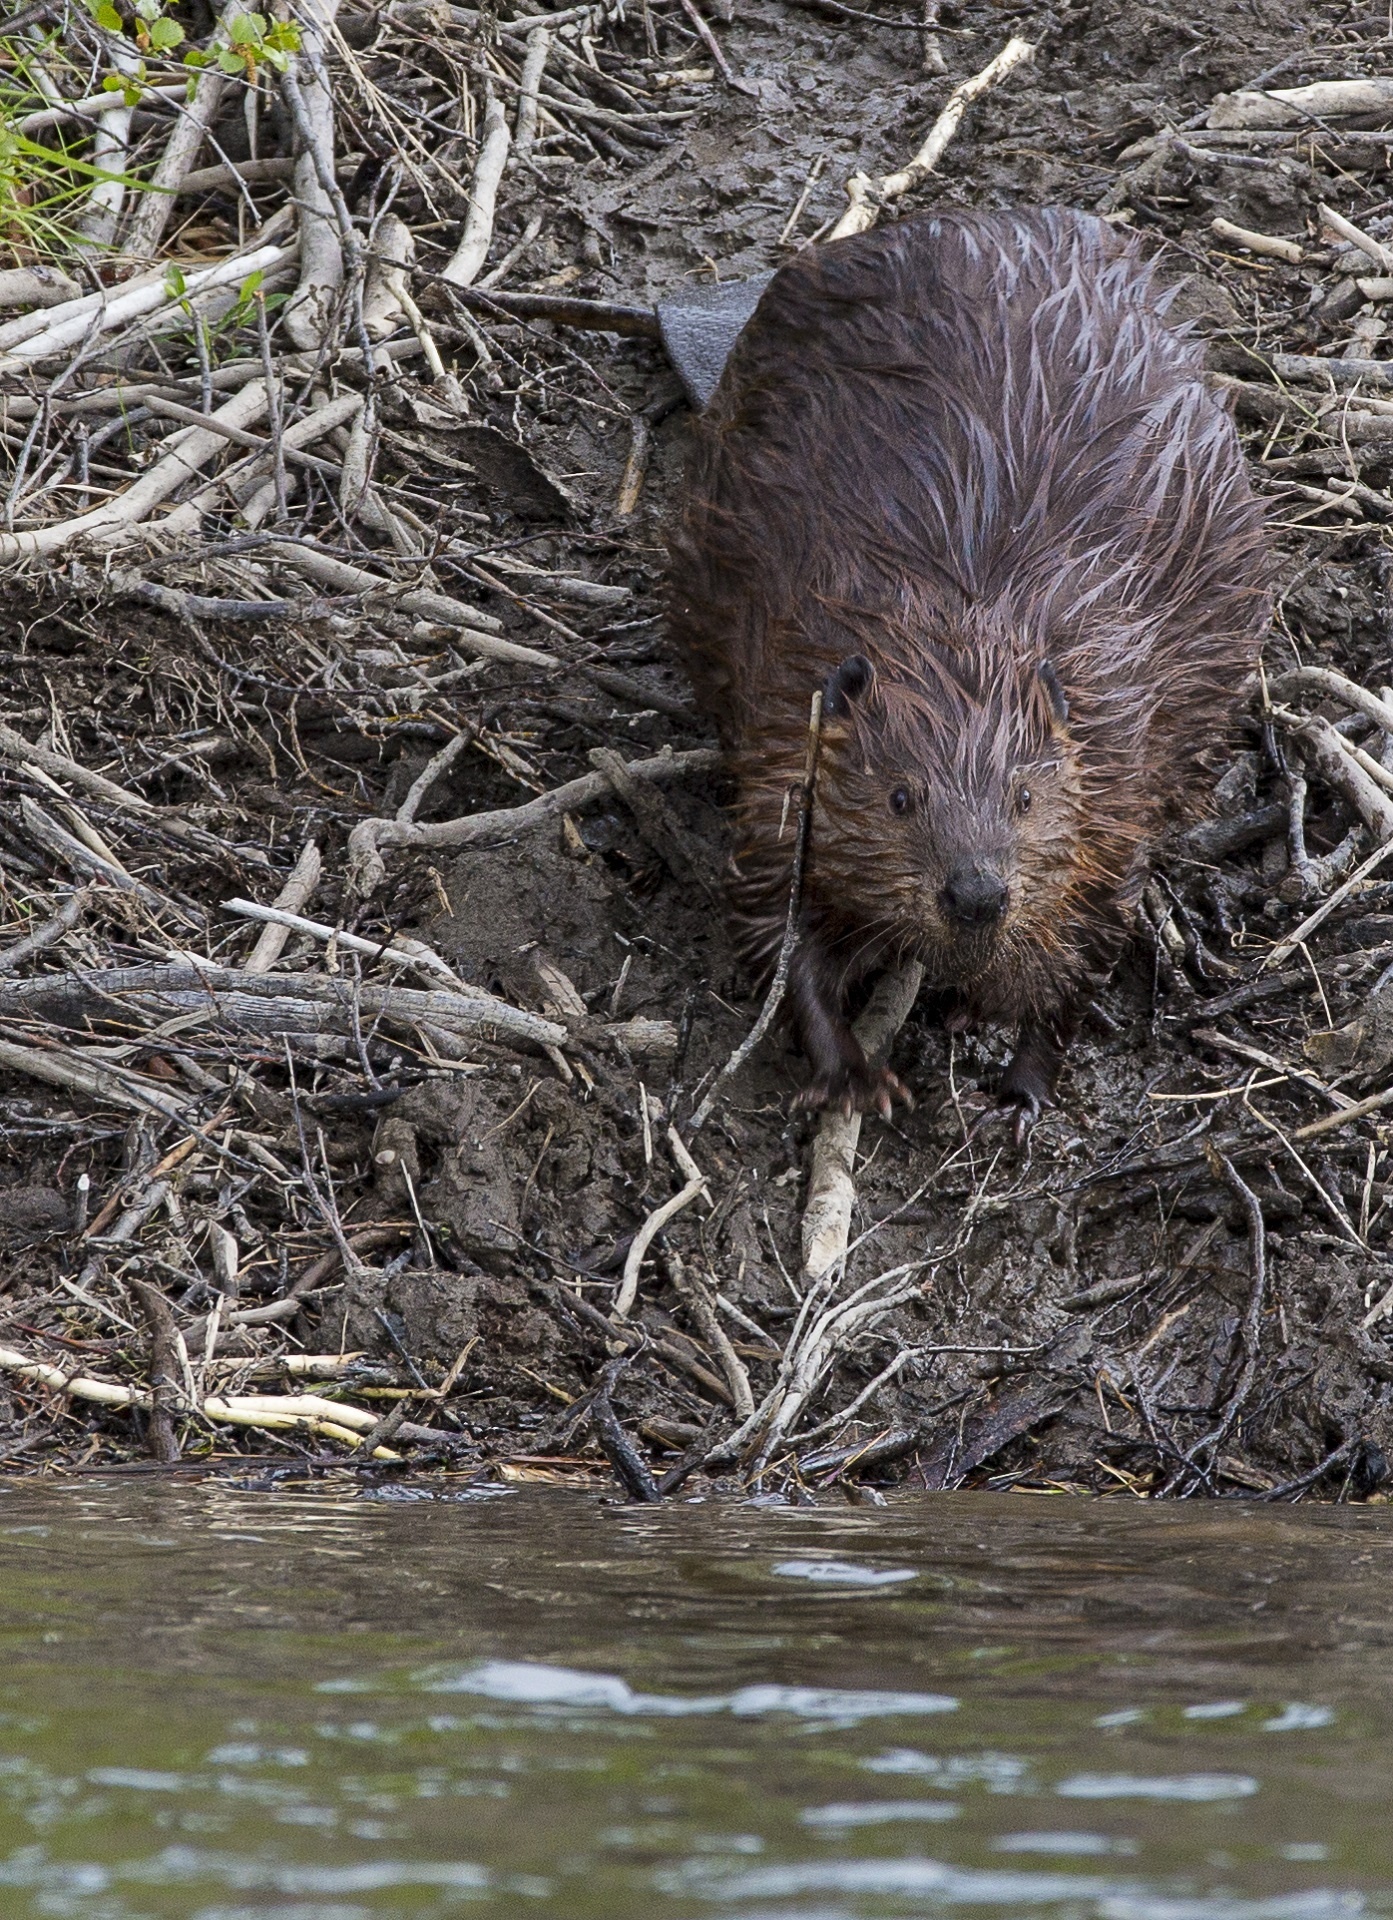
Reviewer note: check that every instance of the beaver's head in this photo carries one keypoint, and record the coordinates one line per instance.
(950, 804)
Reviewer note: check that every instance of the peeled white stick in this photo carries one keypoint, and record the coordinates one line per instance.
(110, 150)
(403, 949)
(307, 313)
(473, 247)
(867, 198)
(831, 1188)
(1268, 244)
(151, 216)
(65, 326)
(393, 250)
(295, 894)
(530, 80)
(36, 287)
(60, 110)
(277, 1413)
(1301, 106)
(643, 1240)
(115, 518)
(328, 414)
(1356, 237)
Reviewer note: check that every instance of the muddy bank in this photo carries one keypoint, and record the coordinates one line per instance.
(455, 1203)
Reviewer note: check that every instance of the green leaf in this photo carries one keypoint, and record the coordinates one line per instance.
(246, 30)
(165, 34)
(106, 16)
(175, 284)
(231, 62)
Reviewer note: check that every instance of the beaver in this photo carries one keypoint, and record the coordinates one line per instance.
(960, 474)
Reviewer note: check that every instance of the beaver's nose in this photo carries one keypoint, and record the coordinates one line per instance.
(974, 896)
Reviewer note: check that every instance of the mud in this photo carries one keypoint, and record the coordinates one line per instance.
(1100, 1280)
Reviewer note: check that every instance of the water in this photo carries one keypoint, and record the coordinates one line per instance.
(223, 1705)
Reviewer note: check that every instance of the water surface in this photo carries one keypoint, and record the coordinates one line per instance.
(223, 1704)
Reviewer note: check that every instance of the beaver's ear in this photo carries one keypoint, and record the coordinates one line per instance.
(1059, 700)
(846, 683)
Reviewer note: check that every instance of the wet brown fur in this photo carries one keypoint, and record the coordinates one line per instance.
(960, 447)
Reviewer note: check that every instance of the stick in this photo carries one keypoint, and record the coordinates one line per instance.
(1267, 244)
(47, 934)
(408, 951)
(1332, 757)
(474, 1012)
(533, 67)
(629, 1467)
(309, 311)
(109, 149)
(164, 1369)
(187, 518)
(644, 1238)
(39, 286)
(1326, 680)
(298, 889)
(866, 198)
(474, 242)
(717, 52)
(278, 1413)
(477, 628)
(434, 769)
(67, 326)
(151, 216)
(367, 871)
(394, 249)
(696, 1297)
(116, 519)
(831, 1188)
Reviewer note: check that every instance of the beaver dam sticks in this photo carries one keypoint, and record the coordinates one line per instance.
(961, 474)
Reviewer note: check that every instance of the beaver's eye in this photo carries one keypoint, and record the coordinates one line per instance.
(899, 800)
(1023, 800)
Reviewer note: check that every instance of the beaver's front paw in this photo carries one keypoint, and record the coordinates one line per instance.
(1027, 1086)
(849, 1089)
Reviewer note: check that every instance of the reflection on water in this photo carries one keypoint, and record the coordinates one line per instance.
(226, 1705)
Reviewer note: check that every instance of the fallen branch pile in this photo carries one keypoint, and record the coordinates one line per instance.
(331, 399)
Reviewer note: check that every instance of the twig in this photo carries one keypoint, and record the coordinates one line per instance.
(402, 948)
(692, 1290)
(116, 519)
(151, 216)
(1293, 940)
(474, 242)
(165, 1372)
(533, 67)
(644, 1238)
(717, 52)
(435, 769)
(866, 198)
(297, 891)
(66, 326)
(308, 316)
(48, 933)
(367, 870)
(1332, 1460)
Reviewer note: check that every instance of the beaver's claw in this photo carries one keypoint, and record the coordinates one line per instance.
(856, 1089)
(1027, 1086)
